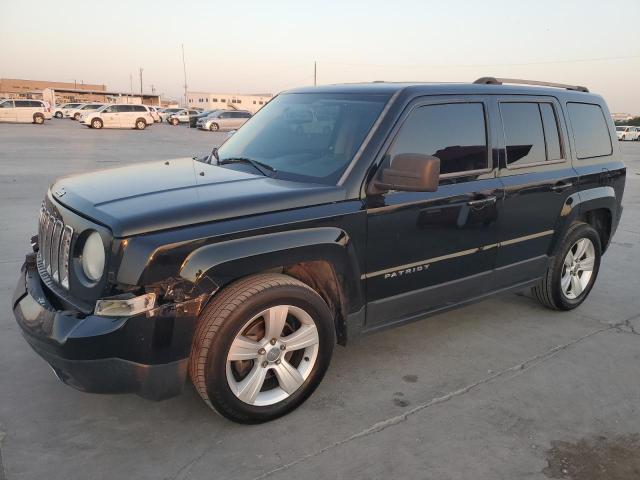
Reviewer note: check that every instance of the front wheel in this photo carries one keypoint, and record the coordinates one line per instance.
(96, 123)
(261, 348)
(573, 270)
(58, 115)
(174, 121)
(214, 127)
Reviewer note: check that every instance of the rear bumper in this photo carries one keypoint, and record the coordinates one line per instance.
(146, 354)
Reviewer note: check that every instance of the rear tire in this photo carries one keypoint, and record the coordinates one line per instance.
(256, 318)
(38, 119)
(580, 252)
(141, 124)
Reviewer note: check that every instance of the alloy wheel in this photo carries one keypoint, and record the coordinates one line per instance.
(272, 355)
(577, 268)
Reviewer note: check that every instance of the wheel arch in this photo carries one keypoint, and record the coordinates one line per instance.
(323, 258)
(596, 207)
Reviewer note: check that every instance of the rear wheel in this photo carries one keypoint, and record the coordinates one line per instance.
(261, 348)
(141, 124)
(38, 118)
(573, 271)
(96, 123)
(214, 127)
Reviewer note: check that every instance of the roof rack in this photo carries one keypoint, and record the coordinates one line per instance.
(500, 81)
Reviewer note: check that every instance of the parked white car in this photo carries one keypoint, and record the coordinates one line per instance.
(118, 116)
(224, 120)
(155, 114)
(24, 111)
(167, 112)
(627, 132)
(58, 110)
(181, 116)
(76, 113)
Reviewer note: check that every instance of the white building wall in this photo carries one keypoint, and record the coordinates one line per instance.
(210, 101)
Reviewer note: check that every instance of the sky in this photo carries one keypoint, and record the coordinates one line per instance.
(247, 46)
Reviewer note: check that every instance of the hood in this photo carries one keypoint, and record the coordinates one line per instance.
(152, 196)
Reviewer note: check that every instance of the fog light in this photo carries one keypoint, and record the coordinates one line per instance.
(125, 307)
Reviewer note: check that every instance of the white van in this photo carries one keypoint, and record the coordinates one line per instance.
(118, 116)
(25, 111)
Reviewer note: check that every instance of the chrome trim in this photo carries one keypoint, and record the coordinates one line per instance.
(53, 252)
(461, 253)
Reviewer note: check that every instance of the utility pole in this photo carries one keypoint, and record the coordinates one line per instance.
(140, 83)
(315, 73)
(184, 69)
(130, 86)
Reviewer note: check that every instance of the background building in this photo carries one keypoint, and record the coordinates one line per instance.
(210, 101)
(58, 93)
(621, 117)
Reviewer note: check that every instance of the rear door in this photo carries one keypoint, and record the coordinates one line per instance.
(24, 111)
(538, 178)
(429, 250)
(8, 111)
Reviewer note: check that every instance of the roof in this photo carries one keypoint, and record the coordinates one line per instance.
(424, 88)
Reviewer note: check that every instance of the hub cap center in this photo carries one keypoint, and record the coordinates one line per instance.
(273, 354)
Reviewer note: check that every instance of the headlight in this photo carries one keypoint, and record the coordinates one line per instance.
(93, 257)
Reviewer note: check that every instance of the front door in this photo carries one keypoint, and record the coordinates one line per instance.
(538, 179)
(7, 111)
(429, 250)
(110, 117)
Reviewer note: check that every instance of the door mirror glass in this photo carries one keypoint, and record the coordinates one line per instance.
(409, 172)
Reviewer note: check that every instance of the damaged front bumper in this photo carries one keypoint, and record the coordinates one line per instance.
(146, 354)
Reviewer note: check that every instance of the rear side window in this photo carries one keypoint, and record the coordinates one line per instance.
(139, 108)
(123, 108)
(590, 130)
(551, 133)
(455, 133)
(523, 133)
(22, 103)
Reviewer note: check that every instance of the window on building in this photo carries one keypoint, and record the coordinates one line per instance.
(238, 101)
(214, 100)
(590, 130)
(223, 100)
(254, 102)
(455, 133)
(261, 102)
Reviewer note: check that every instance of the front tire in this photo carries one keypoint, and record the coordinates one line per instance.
(174, 121)
(573, 270)
(214, 127)
(96, 123)
(261, 348)
(58, 115)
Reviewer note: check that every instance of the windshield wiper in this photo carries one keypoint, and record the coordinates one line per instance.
(263, 168)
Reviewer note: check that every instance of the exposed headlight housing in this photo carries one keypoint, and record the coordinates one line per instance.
(125, 307)
(93, 257)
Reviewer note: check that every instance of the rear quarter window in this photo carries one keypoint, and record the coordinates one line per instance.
(590, 130)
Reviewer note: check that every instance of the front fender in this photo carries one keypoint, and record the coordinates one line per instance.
(224, 262)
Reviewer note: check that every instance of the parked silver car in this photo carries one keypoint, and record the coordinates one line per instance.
(59, 110)
(182, 116)
(224, 120)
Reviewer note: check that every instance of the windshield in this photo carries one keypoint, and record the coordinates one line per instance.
(621, 129)
(306, 136)
(173, 110)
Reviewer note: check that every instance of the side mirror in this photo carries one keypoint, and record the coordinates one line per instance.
(409, 172)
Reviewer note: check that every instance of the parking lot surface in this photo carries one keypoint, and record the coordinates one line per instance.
(503, 389)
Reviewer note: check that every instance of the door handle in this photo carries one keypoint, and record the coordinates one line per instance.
(482, 201)
(560, 186)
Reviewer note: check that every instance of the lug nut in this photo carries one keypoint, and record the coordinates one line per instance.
(264, 364)
(283, 347)
(262, 351)
(278, 362)
(273, 341)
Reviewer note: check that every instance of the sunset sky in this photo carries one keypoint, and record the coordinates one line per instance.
(255, 47)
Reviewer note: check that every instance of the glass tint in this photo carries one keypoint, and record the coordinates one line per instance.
(590, 130)
(307, 136)
(455, 133)
(523, 133)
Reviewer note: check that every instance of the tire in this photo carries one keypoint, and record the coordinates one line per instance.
(237, 310)
(214, 127)
(141, 124)
(76, 116)
(38, 119)
(174, 121)
(96, 123)
(58, 115)
(552, 290)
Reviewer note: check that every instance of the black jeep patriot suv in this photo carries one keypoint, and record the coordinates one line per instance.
(335, 212)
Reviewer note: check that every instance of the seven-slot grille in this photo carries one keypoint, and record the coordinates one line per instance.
(54, 242)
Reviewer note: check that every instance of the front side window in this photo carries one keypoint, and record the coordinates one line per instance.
(109, 109)
(454, 132)
(590, 130)
(307, 136)
(7, 104)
